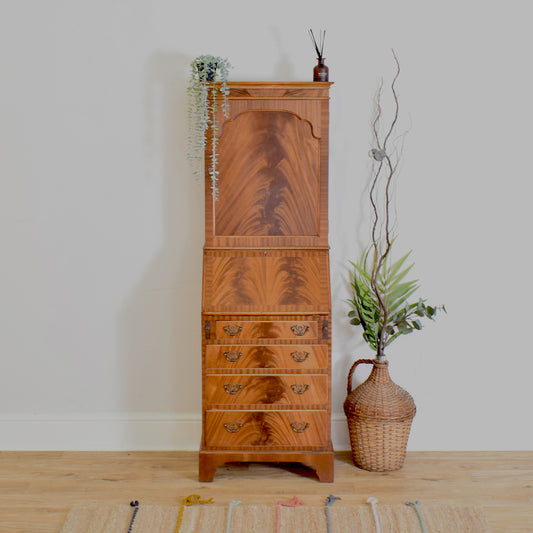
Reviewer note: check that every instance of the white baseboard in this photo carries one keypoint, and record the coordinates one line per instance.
(146, 431)
(339, 433)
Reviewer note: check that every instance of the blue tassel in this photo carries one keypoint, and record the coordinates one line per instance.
(134, 504)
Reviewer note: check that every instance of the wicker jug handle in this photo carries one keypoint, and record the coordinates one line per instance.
(352, 370)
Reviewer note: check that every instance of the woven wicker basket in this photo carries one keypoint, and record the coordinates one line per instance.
(379, 414)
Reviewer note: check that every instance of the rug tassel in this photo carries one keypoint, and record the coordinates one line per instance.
(291, 503)
(416, 506)
(330, 500)
(134, 504)
(232, 504)
(192, 499)
(374, 504)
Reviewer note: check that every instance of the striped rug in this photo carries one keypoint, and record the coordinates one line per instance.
(337, 518)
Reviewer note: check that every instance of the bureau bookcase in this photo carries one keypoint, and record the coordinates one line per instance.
(266, 309)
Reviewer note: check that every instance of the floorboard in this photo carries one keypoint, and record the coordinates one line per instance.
(38, 488)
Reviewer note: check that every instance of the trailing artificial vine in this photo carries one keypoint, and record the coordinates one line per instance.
(202, 109)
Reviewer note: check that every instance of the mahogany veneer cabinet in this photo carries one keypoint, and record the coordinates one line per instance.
(266, 309)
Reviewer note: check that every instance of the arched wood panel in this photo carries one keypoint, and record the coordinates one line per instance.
(270, 178)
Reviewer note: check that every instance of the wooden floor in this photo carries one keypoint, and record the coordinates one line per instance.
(38, 488)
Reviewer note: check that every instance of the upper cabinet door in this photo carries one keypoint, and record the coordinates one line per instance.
(273, 167)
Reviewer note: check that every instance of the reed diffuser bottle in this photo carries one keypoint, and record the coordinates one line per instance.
(321, 71)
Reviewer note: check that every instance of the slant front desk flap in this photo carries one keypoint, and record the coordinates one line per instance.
(266, 281)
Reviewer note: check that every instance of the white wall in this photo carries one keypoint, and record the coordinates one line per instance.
(101, 228)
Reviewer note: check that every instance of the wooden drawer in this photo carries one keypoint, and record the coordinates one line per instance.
(264, 330)
(266, 390)
(269, 356)
(238, 429)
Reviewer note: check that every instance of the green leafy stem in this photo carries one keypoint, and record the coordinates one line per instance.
(382, 324)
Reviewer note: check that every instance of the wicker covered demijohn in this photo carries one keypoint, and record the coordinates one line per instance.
(379, 414)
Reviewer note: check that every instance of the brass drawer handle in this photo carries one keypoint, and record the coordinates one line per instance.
(299, 427)
(232, 427)
(300, 357)
(300, 329)
(232, 356)
(232, 329)
(300, 388)
(233, 388)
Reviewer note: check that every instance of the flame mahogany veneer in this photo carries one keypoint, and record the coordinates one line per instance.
(266, 309)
